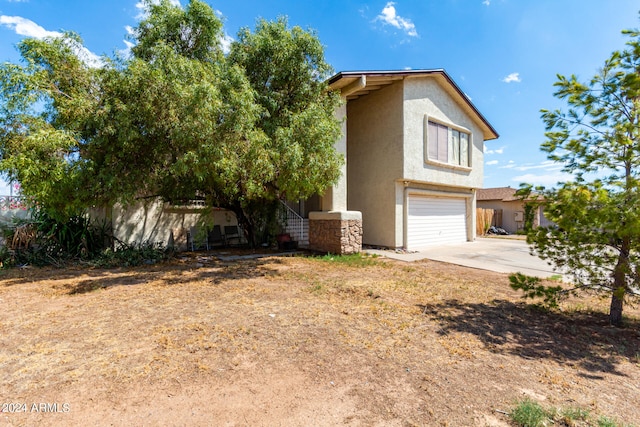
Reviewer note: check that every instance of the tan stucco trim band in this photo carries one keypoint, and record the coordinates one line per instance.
(336, 215)
(435, 193)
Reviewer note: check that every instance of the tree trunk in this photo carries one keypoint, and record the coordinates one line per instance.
(619, 284)
(258, 219)
(247, 226)
(615, 310)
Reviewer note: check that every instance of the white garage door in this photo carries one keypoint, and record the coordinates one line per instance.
(435, 220)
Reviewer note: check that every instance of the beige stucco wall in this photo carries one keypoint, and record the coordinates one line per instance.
(386, 152)
(374, 157)
(423, 98)
(158, 222)
(335, 197)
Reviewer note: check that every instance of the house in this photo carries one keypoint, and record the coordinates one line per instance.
(413, 147)
(509, 209)
(180, 226)
(413, 144)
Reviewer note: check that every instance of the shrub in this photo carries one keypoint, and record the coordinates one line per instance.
(530, 414)
(126, 255)
(47, 240)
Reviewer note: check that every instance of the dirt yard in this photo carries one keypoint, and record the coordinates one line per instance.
(298, 341)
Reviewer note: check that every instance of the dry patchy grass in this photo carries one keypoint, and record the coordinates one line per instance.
(301, 341)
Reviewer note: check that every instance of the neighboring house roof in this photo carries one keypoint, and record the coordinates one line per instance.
(353, 84)
(504, 194)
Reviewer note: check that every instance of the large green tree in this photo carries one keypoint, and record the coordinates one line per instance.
(596, 215)
(42, 106)
(287, 71)
(178, 119)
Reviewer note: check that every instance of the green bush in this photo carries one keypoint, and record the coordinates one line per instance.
(131, 255)
(531, 287)
(46, 240)
(530, 414)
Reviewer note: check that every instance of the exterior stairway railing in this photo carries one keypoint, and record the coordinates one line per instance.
(295, 225)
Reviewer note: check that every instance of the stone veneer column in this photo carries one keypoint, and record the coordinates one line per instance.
(336, 232)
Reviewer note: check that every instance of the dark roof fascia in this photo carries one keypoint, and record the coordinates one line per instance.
(381, 73)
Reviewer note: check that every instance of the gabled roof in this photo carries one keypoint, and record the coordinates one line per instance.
(504, 194)
(354, 84)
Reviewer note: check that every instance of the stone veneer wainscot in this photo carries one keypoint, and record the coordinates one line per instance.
(336, 232)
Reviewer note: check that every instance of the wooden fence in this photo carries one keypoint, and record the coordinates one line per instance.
(485, 218)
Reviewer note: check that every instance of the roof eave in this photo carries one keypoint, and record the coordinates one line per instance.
(489, 131)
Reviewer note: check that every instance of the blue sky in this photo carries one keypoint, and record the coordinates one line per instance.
(504, 54)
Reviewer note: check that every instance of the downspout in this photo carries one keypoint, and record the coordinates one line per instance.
(405, 222)
(473, 218)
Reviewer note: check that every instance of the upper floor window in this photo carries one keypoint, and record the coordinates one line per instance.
(447, 145)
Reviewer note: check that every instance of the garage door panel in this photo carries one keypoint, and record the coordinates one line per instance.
(435, 220)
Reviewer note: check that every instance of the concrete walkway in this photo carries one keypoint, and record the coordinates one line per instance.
(503, 255)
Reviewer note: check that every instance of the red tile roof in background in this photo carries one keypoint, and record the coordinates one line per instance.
(505, 194)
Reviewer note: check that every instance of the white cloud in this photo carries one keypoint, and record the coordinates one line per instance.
(496, 151)
(548, 165)
(390, 17)
(142, 7)
(225, 42)
(89, 58)
(513, 77)
(225, 39)
(492, 162)
(546, 173)
(26, 27)
(126, 52)
(486, 2)
(546, 179)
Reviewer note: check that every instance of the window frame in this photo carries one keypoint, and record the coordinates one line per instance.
(451, 130)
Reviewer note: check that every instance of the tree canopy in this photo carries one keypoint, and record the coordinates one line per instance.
(595, 234)
(178, 119)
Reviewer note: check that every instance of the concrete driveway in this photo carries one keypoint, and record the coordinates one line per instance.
(504, 255)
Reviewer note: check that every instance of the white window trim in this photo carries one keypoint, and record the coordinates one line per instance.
(450, 125)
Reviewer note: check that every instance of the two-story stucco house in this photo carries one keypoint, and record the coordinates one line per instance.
(413, 143)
